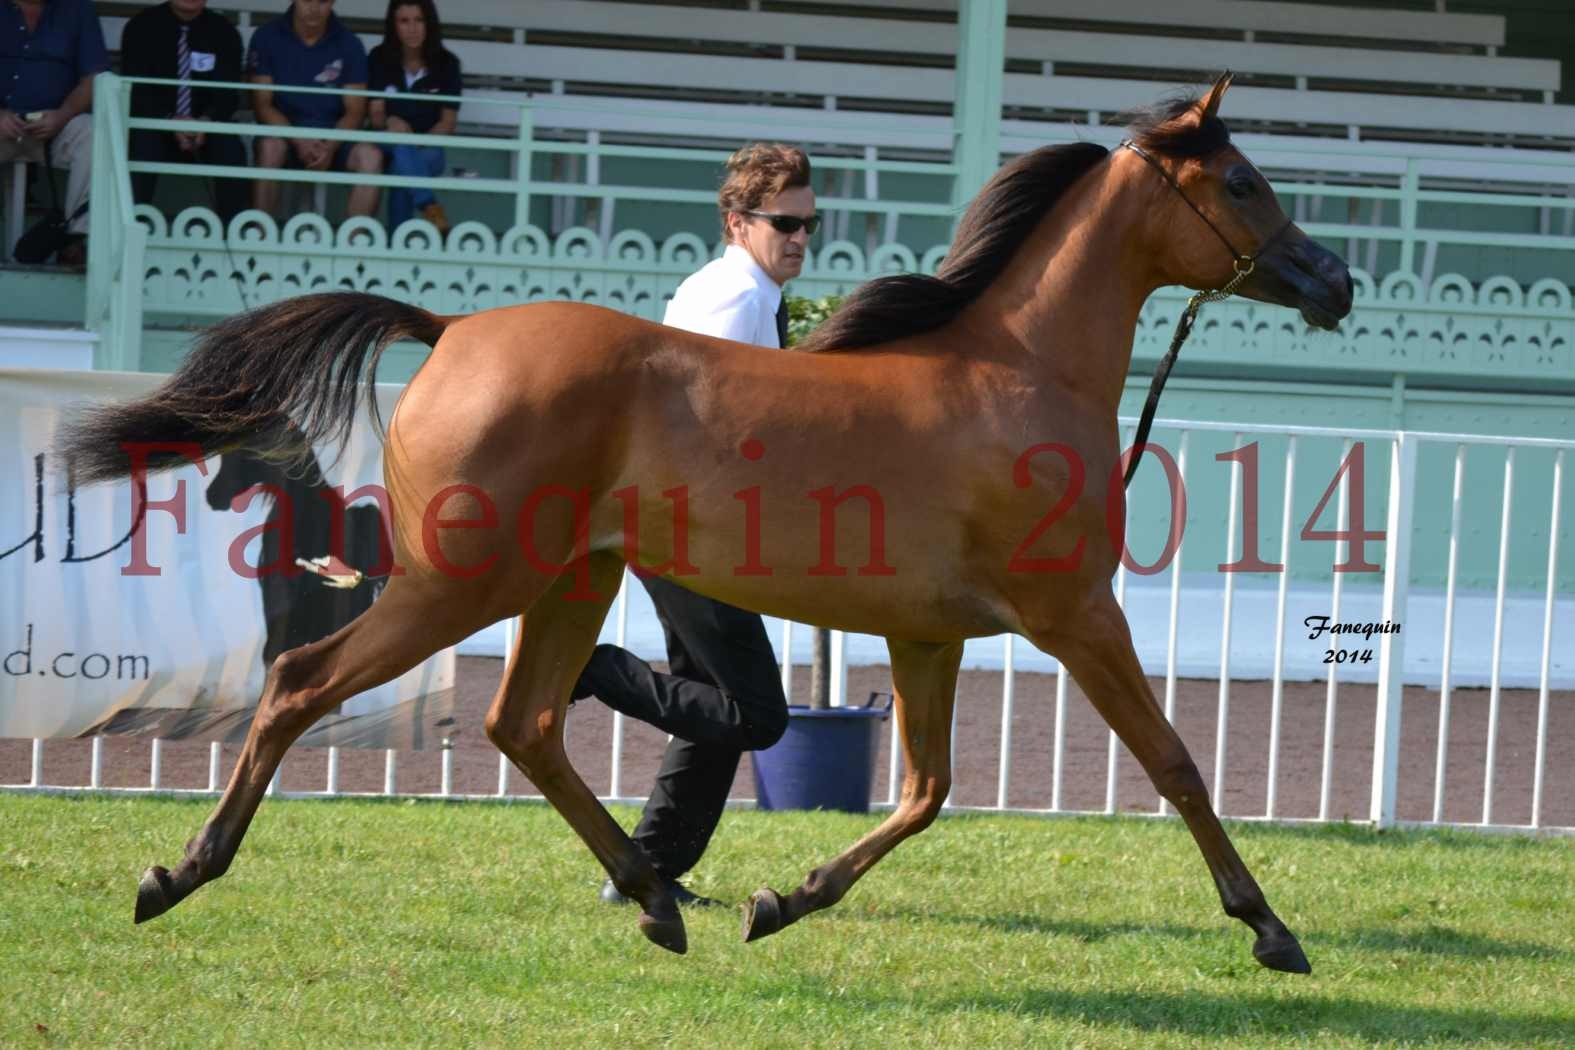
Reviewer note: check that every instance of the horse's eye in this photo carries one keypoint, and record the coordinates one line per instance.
(1241, 188)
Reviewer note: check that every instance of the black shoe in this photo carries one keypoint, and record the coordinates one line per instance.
(682, 895)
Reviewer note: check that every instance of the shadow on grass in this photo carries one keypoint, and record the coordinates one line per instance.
(1434, 940)
(1346, 832)
(1246, 1016)
(1237, 1020)
(1355, 834)
(1441, 940)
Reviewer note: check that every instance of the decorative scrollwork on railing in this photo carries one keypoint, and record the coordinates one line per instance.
(1398, 325)
(194, 268)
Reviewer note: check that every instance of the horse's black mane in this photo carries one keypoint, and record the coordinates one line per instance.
(995, 225)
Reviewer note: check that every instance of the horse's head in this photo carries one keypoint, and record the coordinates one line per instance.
(1220, 218)
(237, 472)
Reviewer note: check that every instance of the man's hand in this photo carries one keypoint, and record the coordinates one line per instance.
(11, 125)
(47, 126)
(399, 126)
(190, 141)
(309, 151)
(324, 156)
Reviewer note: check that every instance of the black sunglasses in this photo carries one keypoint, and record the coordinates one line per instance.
(788, 224)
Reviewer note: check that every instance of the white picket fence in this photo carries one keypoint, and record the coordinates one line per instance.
(1467, 638)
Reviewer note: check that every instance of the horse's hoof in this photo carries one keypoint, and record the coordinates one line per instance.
(1281, 952)
(153, 894)
(762, 914)
(665, 933)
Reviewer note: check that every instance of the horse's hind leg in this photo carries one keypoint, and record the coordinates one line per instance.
(526, 724)
(1100, 656)
(409, 622)
(924, 678)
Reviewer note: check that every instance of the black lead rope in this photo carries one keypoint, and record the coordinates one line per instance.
(1243, 265)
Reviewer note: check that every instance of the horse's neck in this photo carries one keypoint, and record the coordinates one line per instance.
(1071, 295)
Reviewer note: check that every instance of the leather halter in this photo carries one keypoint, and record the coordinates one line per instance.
(1243, 265)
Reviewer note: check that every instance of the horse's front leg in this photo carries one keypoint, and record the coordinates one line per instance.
(1098, 651)
(924, 678)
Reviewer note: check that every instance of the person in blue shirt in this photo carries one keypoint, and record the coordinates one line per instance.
(50, 51)
(411, 62)
(308, 47)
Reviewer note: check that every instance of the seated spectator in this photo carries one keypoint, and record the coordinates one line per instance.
(182, 40)
(49, 54)
(412, 60)
(308, 47)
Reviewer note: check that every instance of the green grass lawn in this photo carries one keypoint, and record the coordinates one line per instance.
(457, 925)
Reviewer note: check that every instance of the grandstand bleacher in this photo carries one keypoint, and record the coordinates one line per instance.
(874, 79)
(1310, 69)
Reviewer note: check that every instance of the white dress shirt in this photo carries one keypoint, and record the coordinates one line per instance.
(731, 298)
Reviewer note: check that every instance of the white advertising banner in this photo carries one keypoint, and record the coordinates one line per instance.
(170, 632)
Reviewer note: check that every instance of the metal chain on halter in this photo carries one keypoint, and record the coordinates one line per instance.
(1162, 372)
(1242, 264)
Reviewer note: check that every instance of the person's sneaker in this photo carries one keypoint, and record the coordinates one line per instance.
(434, 214)
(682, 895)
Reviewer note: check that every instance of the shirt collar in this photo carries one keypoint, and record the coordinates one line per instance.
(737, 256)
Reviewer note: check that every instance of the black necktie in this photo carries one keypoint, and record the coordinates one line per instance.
(782, 320)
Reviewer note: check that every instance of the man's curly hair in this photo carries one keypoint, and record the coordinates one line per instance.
(758, 172)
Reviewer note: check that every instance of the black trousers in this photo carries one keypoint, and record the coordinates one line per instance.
(230, 196)
(723, 697)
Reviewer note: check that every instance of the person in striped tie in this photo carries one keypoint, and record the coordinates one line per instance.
(722, 694)
(182, 40)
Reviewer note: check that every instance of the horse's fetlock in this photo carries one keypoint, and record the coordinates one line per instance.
(822, 888)
(204, 860)
(1244, 902)
(632, 879)
(1239, 907)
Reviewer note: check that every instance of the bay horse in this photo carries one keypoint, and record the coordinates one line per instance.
(957, 407)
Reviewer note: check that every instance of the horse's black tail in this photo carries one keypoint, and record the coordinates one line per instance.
(292, 368)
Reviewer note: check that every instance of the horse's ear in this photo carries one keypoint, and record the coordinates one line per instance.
(1211, 104)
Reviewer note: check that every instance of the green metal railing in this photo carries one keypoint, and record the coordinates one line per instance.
(191, 268)
(116, 241)
(1456, 323)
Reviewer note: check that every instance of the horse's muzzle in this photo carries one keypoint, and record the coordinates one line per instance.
(1321, 281)
(1302, 274)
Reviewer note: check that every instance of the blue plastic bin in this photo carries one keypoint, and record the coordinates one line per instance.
(825, 760)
